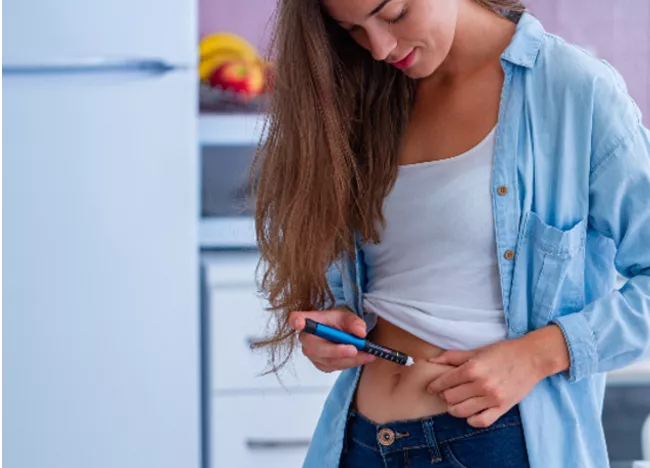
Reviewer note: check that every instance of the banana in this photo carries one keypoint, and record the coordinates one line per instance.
(213, 42)
(211, 62)
(218, 48)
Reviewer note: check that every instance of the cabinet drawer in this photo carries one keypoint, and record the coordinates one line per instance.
(265, 430)
(238, 317)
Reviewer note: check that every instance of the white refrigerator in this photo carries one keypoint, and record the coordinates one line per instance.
(101, 341)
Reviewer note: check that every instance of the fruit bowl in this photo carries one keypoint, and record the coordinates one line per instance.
(233, 77)
(220, 100)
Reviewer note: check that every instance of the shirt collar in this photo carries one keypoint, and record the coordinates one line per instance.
(526, 42)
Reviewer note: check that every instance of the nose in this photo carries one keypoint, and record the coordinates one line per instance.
(381, 44)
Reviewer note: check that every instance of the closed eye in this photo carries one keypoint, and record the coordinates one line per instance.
(402, 14)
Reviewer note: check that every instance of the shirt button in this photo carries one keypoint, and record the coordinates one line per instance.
(503, 190)
(509, 255)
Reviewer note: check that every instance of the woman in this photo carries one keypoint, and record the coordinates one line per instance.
(450, 179)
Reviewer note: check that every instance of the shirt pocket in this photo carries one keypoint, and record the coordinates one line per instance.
(549, 271)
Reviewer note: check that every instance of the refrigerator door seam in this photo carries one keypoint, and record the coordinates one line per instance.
(96, 65)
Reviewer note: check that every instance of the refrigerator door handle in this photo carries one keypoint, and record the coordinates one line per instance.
(94, 65)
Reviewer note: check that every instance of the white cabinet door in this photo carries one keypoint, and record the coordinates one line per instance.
(237, 317)
(265, 430)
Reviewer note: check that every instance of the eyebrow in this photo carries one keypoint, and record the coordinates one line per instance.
(374, 11)
(378, 8)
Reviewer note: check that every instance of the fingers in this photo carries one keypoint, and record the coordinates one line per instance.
(341, 318)
(449, 380)
(461, 393)
(352, 323)
(469, 407)
(488, 417)
(453, 357)
(297, 319)
(330, 365)
(324, 354)
(471, 401)
(317, 348)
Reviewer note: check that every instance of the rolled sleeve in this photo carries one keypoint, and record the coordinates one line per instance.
(614, 331)
(580, 341)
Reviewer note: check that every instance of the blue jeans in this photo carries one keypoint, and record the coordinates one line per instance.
(440, 441)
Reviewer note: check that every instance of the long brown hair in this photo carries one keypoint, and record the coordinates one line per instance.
(335, 123)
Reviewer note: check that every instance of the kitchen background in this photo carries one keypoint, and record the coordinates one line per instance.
(616, 30)
(129, 294)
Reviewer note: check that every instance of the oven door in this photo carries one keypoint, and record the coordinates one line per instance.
(229, 143)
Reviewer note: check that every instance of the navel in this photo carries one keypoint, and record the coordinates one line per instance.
(395, 378)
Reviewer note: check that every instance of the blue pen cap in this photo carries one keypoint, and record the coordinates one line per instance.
(310, 326)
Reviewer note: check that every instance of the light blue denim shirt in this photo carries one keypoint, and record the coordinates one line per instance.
(575, 158)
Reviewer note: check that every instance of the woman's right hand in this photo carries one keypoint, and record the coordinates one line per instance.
(325, 355)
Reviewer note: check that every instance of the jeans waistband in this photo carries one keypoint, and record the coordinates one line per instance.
(419, 432)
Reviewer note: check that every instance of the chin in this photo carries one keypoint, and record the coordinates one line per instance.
(416, 73)
(424, 65)
(419, 70)
(423, 68)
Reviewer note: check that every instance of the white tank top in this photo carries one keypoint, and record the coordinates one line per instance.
(435, 272)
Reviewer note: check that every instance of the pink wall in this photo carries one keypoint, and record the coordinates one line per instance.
(248, 18)
(616, 30)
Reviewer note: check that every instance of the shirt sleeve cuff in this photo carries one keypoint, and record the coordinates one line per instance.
(581, 344)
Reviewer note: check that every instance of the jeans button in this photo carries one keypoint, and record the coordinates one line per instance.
(386, 436)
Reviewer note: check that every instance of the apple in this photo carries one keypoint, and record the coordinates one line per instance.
(240, 76)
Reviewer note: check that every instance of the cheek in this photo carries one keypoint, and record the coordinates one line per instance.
(436, 40)
(435, 23)
(431, 54)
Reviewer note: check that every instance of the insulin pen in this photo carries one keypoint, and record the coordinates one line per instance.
(339, 336)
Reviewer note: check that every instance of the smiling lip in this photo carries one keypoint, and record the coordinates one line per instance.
(406, 61)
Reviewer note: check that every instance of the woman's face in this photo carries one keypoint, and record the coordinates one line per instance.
(413, 35)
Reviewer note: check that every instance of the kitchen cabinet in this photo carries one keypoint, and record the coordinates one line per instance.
(252, 420)
(269, 429)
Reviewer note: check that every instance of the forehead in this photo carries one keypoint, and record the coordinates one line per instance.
(350, 10)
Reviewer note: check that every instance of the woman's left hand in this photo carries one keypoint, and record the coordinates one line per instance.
(487, 381)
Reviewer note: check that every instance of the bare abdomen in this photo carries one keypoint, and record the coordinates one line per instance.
(389, 391)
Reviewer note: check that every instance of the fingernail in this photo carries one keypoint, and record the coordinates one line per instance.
(349, 352)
